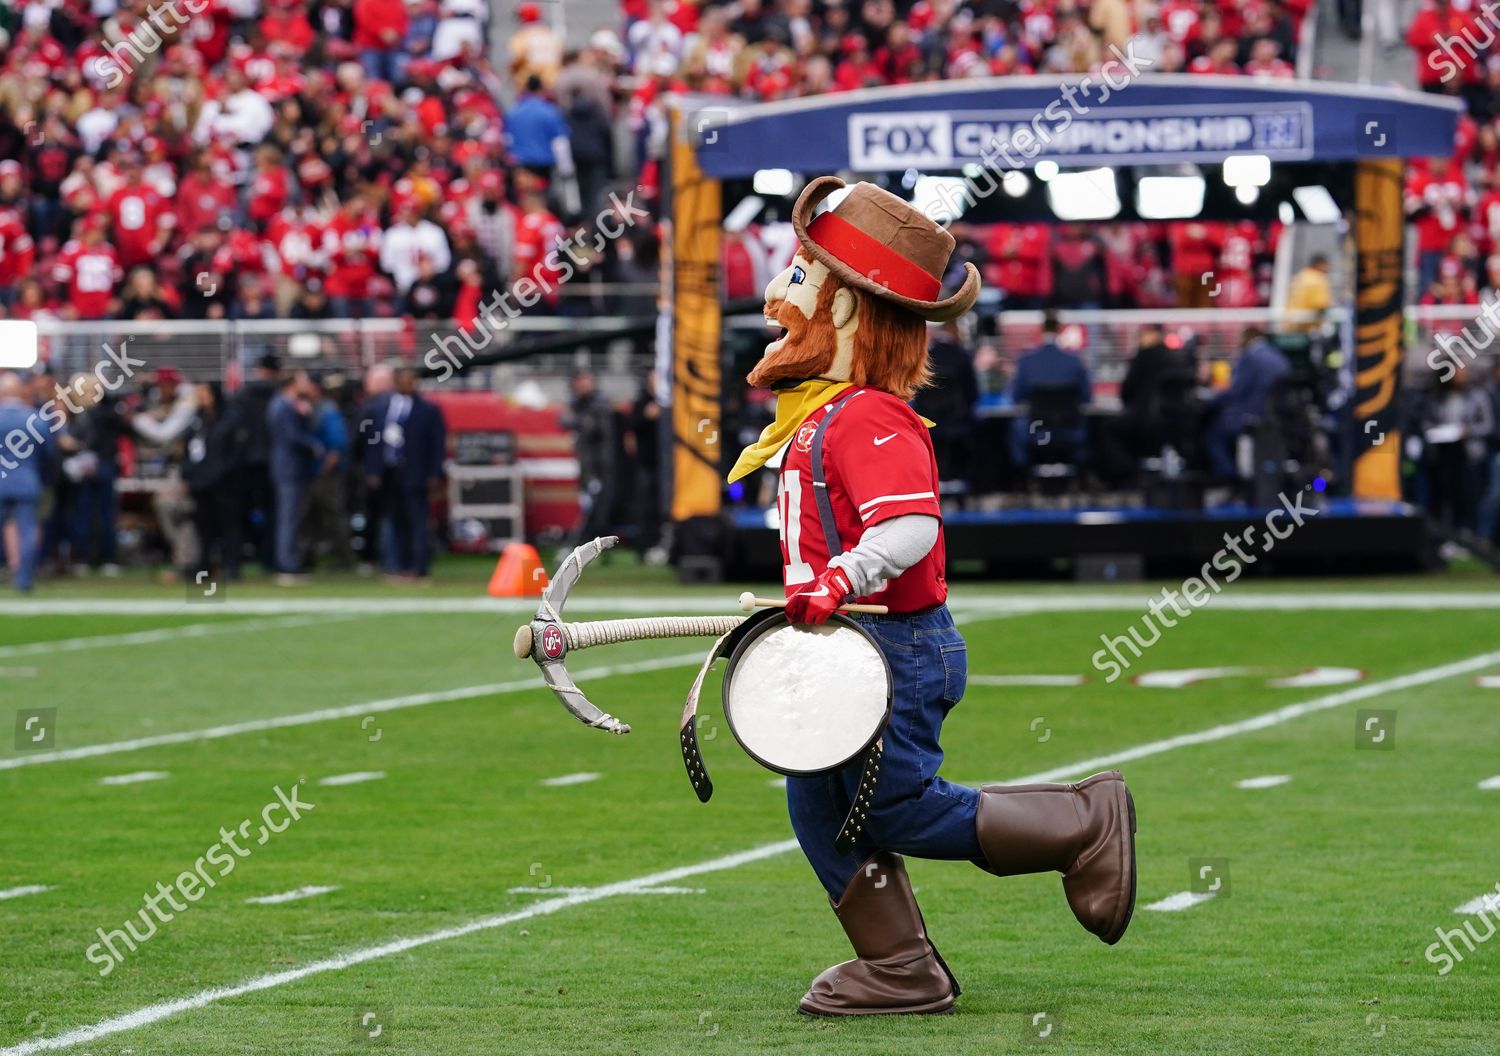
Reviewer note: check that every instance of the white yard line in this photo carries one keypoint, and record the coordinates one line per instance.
(160, 634)
(166, 1009)
(351, 711)
(134, 779)
(571, 779)
(1268, 781)
(1268, 719)
(295, 895)
(1178, 902)
(22, 892)
(1490, 784)
(999, 604)
(357, 777)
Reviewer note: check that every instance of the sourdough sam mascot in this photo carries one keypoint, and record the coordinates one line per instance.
(861, 522)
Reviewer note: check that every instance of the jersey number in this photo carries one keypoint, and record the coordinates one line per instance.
(789, 505)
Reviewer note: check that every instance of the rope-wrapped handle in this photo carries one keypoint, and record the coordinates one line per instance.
(608, 632)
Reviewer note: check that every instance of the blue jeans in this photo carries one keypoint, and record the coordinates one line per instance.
(1489, 506)
(288, 520)
(94, 511)
(915, 812)
(23, 512)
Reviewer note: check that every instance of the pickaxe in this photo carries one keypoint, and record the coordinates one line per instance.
(548, 640)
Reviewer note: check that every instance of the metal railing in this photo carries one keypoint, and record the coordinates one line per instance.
(217, 349)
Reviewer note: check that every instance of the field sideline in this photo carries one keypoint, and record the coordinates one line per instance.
(483, 875)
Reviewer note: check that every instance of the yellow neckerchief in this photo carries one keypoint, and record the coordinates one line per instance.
(793, 405)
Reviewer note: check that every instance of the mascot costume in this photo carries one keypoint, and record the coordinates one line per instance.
(860, 521)
(863, 555)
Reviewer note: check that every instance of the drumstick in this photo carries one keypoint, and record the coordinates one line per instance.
(749, 601)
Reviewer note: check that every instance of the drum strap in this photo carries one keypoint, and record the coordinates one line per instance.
(864, 796)
(687, 731)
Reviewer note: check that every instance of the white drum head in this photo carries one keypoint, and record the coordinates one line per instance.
(803, 700)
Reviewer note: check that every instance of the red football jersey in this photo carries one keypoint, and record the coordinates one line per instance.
(91, 274)
(878, 463)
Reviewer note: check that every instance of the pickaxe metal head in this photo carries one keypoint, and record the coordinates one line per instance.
(545, 641)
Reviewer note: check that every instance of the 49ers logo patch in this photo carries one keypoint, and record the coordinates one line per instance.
(804, 438)
(552, 642)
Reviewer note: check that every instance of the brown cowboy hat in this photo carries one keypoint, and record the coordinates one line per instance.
(883, 245)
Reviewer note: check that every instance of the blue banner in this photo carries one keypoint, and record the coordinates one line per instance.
(1006, 123)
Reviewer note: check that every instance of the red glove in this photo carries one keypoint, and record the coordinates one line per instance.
(815, 603)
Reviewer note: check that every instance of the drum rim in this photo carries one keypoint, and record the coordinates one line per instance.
(762, 624)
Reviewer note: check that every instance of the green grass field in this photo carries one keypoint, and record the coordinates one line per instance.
(619, 915)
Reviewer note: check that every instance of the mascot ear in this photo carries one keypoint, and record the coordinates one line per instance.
(845, 307)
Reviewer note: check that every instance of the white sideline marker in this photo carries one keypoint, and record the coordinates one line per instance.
(1314, 677)
(295, 895)
(1483, 904)
(355, 778)
(1187, 676)
(134, 779)
(1027, 680)
(1178, 902)
(1268, 781)
(1490, 784)
(22, 892)
(571, 779)
(166, 1009)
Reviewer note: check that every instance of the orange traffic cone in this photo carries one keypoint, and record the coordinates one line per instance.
(519, 573)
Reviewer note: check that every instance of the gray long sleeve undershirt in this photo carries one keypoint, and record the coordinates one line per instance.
(887, 550)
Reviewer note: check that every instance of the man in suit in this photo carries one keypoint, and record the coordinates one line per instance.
(1052, 368)
(405, 461)
(25, 436)
(1257, 370)
(294, 453)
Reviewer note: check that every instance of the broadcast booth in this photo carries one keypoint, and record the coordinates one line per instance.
(1040, 149)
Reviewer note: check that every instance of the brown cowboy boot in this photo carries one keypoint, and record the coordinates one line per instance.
(896, 969)
(1084, 831)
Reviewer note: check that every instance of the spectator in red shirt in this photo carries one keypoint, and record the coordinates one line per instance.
(140, 217)
(202, 197)
(1437, 35)
(379, 28)
(89, 270)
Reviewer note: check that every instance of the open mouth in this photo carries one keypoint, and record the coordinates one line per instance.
(774, 324)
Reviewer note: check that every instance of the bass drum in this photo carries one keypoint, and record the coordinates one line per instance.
(804, 699)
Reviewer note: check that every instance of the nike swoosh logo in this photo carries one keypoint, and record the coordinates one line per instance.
(821, 592)
(882, 439)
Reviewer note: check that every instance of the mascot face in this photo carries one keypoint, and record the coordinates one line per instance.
(835, 331)
(818, 316)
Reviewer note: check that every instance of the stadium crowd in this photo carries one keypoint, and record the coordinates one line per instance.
(272, 158)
